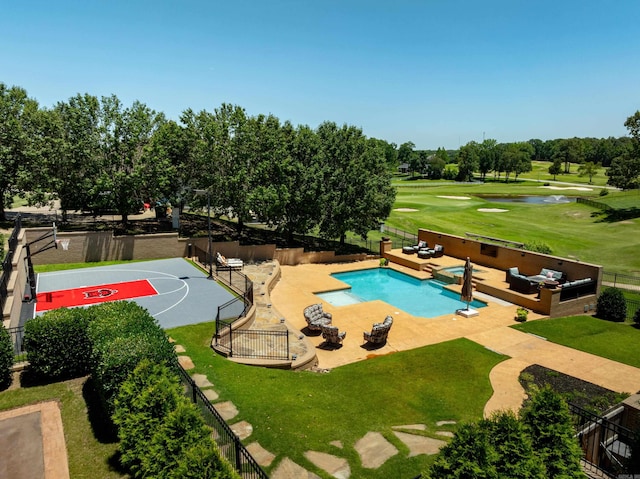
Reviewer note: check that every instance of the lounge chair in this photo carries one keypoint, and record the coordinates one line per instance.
(332, 335)
(437, 251)
(379, 331)
(316, 318)
(228, 263)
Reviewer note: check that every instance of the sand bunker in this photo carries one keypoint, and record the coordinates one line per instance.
(579, 188)
(455, 197)
(405, 210)
(492, 210)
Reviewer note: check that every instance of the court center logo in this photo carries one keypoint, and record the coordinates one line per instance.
(99, 293)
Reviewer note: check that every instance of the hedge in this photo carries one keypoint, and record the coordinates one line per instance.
(57, 344)
(6, 358)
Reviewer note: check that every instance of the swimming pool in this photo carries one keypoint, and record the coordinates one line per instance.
(459, 270)
(426, 298)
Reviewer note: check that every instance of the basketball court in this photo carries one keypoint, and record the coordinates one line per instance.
(174, 291)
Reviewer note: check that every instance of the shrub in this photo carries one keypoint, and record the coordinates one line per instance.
(6, 358)
(636, 317)
(548, 422)
(521, 315)
(57, 344)
(611, 305)
(122, 334)
(516, 457)
(142, 403)
(469, 454)
(162, 434)
(538, 247)
(603, 192)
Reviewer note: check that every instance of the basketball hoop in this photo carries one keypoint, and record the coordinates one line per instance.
(64, 243)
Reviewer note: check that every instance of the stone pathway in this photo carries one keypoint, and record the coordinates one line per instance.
(373, 448)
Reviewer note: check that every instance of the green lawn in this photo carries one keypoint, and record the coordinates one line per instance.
(295, 412)
(571, 230)
(616, 341)
(89, 450)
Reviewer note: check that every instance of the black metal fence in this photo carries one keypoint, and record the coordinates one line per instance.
(7, 262)
(606, 444)
(253, 343)
(17, 338)
(593, 204)
(626, 282)
(228, 442)
(400, 238)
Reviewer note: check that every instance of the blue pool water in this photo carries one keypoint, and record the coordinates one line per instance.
(426, 298)
(459, 270)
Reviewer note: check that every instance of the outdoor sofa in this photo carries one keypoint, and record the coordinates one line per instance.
(530, 284)
(316, 317)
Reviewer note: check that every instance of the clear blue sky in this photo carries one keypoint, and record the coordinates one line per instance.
(438, 73)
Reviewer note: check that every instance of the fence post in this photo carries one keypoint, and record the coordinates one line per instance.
(194, 395)
(237, 444)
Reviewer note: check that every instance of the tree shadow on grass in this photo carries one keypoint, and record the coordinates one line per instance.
(618, 214)
(103, 428)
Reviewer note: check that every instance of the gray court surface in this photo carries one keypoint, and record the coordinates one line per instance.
(185, 295)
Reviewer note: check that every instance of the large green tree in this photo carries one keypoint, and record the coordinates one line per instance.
(357, 193)
(468, 158)
(487, 154)
(17, 152)
(127, 174)
(624, 172)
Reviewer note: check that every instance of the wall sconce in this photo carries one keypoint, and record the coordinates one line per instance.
(560, 263)
(522, 254)
(464, 241)
(439, 236)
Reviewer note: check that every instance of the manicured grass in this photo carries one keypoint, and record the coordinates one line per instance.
(571, 230)
(296, 412)
(616, 341)
(48, 268)
(90, 451)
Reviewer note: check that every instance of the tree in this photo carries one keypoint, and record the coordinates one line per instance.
(624, 172)
(570, 151)
(17, 113)
(470, 454)
(127, 174)
(357, 193)
(487, 154)
(555, 168)
(407, 155)
(548, 422)
(589, 169)
(516, 458)
(467, 161)
(516, 158)
(437, 163)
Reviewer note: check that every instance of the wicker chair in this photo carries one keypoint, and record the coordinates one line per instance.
(332, 335)
(379, 331)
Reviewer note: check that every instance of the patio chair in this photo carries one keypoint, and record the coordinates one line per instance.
(379, 332)
(437, 251)
(228, 263)
(332, 335)
(316, 318)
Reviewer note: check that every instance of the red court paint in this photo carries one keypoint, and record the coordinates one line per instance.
(68, 298)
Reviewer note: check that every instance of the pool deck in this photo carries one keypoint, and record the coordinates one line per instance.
(297, 285)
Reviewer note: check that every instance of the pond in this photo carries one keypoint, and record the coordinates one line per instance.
(531, 199)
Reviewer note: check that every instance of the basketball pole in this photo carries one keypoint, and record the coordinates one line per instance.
(31, 275)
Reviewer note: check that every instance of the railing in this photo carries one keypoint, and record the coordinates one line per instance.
(402, 238)
(7, 263)
(253, 343)
(606, 445)
(17, 337)
(490, 239)
(229, 443)
(593, 204)
(626, 282)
